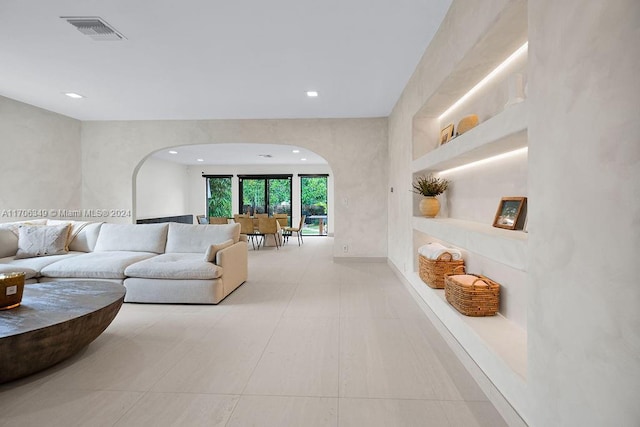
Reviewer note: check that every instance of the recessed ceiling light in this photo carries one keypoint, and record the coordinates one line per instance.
(74, 95)
(295, 151)
(173, 152)
(312, 93)
(303, 159)
(200, 160)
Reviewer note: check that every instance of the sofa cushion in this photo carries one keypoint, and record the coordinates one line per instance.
(35, 264)
(193, 238)
(86, 238)
(8, 243)
(174, 266)
(9, 268)
(42, 240)
(210, 255)
(96, 265)
(75, 228)
(132, 237)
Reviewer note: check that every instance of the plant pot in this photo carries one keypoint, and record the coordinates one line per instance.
(429, 207)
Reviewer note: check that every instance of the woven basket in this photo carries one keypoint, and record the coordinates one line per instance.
(432, 271)
(11, 287)
(477, 299)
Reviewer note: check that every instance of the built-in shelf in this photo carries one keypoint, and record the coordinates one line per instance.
(496, 344)
(508, 247)
(502, 133)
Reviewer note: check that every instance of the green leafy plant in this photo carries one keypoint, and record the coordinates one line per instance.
(429, 186)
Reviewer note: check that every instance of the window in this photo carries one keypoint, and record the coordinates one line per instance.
(269, 194)
(218, 195)
(313, 200)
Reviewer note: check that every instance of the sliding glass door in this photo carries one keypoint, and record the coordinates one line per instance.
(313, 200)
(270, 194)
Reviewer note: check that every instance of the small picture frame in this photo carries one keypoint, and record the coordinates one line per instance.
(511, 213)
(446, 134)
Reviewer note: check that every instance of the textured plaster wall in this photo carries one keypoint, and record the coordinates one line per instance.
(584, 156)
(162, 189)
(356, 150)
(40, 153)
(463, 25)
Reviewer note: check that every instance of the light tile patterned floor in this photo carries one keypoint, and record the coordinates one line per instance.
(305, 342)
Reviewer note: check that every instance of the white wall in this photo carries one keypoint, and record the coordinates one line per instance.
(475, 194)
(40, 153)
(197, 188)
(584, 176)
(583, 183)
(356, 150)
(161, 189)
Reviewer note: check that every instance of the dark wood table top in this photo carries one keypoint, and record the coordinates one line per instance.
(47, 304)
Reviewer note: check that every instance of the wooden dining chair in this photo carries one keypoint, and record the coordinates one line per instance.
(202, 219)
(218, 220)
(269, 226)
(283, 219)
(246, 228)
(297, 230)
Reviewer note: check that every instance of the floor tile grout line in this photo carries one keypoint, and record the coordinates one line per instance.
(280, 318)
(131, 408)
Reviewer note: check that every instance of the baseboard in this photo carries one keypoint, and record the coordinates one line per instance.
(494, 395)
(359, 259)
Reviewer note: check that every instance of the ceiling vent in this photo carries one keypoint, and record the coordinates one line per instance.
(94, 27)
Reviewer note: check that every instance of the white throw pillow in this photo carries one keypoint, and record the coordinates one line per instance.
(42, 240)
(210, 255)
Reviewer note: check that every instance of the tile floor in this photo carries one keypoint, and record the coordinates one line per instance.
(305, 342)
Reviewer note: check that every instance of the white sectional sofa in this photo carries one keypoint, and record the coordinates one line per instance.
(157, 263)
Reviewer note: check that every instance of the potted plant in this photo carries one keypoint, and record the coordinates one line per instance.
(430, 187)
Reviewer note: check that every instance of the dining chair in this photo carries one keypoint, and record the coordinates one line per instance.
(236, 216)
(268, 226)
(297, 230)
(218, 220)
(246, 228)
(283, 219)
(202, 219)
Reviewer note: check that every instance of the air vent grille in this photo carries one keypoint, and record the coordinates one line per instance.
(94, 27)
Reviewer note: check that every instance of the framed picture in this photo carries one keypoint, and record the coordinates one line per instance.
(446, 134)
(511, 213)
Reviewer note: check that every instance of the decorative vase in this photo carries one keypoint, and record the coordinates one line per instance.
(429, 207)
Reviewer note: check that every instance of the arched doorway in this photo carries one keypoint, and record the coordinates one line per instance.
(178, 181)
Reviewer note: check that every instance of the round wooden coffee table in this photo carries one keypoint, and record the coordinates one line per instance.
(54, 321)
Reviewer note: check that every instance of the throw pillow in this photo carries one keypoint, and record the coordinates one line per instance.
(14, 227)
(210, 255)
(75, 228)
(42, 240)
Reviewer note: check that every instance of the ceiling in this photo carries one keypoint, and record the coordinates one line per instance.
(209, 59)
(240, 154)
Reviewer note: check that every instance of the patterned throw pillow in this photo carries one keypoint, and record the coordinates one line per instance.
(42, 240)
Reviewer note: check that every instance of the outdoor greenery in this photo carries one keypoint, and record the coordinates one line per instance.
(314, 195)
(253, 195)
(429, 186)
(219, 197)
